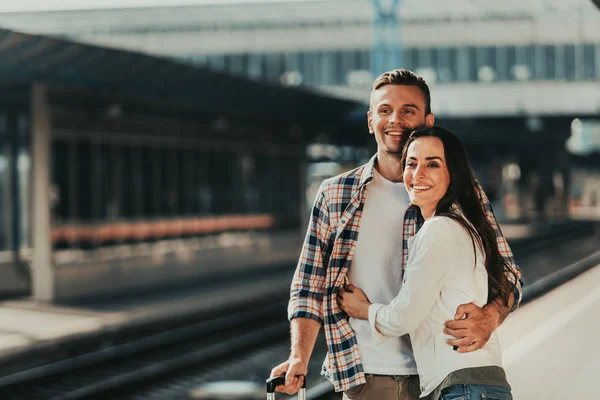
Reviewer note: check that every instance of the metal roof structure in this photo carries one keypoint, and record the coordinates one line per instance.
(26, 58)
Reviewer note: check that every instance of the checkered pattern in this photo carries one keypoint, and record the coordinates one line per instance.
(326, 256)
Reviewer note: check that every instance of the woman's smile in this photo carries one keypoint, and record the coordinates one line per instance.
(420, 188)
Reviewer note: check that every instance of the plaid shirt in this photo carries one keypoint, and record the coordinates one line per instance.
(326, 256)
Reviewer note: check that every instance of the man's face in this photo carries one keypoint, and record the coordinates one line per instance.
(395, 111)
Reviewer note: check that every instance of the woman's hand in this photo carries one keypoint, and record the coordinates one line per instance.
(354, 302)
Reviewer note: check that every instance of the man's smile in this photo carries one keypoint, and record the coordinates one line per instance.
(394, 132)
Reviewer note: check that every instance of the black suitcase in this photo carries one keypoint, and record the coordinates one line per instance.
(275, 381)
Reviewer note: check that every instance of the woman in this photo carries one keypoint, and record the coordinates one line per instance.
(453, 260)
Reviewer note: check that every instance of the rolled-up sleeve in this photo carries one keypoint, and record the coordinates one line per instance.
(378, 337)
(504, 250)
(308, 283)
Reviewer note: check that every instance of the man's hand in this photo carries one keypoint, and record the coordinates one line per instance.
(295, 370)
(304, 332)
(473, 326)
(354, 302)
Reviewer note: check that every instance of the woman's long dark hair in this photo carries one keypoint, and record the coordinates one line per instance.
(463, 192)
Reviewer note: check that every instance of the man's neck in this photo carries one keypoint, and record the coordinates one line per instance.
(389, 166)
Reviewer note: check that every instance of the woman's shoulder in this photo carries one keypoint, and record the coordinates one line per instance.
(444, 228)
(446, 236)
(440, 223)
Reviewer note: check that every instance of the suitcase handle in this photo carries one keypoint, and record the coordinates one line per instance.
(275, 381)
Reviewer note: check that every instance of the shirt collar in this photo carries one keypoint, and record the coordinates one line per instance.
(367, 176)
(368, 171)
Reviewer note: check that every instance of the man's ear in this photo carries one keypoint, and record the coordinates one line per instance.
(370, 123)
(430, 120)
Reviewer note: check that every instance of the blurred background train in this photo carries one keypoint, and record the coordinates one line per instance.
(172, 204)
(140, 198)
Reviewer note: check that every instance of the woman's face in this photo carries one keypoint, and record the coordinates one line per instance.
(426, 175)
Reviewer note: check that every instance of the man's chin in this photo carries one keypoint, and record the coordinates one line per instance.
(394, 152)
(397, 147)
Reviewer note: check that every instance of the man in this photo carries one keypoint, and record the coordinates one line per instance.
(359, 232)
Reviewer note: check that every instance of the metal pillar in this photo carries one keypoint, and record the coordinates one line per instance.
(42, 269)
(303, 183)
(386, 53)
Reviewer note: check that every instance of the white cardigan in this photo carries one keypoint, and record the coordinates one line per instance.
(441, 275)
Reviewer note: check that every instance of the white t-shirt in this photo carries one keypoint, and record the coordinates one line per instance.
(442, 273)
(377, 269)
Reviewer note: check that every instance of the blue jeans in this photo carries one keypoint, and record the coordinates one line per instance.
(476, 392)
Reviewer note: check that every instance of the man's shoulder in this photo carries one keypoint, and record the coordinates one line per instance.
(346, 182)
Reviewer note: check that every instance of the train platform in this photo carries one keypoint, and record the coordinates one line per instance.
(550, 345)
(35, 334)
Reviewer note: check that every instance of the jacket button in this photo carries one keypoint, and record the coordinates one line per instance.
(343, 221)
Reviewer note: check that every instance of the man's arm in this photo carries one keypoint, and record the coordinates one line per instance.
(305, 306)
(473, 326)
(304, 334)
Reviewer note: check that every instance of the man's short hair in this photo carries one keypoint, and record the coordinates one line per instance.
(404, 77)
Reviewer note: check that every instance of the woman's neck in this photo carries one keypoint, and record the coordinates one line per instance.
(427, 212)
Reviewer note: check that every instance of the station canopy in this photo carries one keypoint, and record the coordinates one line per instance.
(26, 58)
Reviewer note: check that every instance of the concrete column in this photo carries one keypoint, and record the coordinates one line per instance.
(597, 54)
(42, 269)
(303, 185)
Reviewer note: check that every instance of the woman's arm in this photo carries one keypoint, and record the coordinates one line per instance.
(433, 251)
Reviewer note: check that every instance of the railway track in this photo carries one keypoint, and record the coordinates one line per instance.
(149, 357)
(236, 345)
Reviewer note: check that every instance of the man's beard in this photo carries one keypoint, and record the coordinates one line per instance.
(398, 152)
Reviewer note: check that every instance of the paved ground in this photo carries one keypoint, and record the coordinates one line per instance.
(551, 346)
